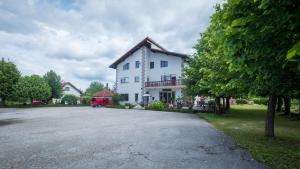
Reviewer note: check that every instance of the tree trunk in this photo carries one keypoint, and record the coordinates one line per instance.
(218, 105)
(224, 104)
(227, 103)
(279, 104)
(287, 105)
(269, 124)
(3, 101)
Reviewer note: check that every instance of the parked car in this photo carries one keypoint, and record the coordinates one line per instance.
(37, 102)
(100, 101)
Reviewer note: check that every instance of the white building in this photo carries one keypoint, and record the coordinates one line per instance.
(148, 72)
(69, 88)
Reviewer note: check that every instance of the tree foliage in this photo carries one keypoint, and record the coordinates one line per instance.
(244, 51)
(69, 99)
(32, 87)
(54, 81)
(94, 87)
(9, 76)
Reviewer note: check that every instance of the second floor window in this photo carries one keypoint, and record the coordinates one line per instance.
(67, 89)
(151, 65)
(163, 63)
(136, 79)
(125, 80)
(137, 64)
(126, 66)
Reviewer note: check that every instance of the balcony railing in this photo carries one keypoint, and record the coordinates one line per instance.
(177, 82)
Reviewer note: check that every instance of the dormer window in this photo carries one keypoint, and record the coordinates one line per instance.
(126, 66)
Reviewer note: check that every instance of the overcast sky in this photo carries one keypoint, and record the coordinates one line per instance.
(79, 39)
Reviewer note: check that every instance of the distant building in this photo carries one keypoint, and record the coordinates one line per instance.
(68, 88)
(148, 72)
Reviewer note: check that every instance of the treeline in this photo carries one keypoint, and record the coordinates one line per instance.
(249, 48)
(14, 87)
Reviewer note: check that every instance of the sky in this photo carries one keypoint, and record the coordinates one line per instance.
(79, 39)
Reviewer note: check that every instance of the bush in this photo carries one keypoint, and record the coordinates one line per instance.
(157, 105)
(69, 99)
(116, 98)
(85, 99)
(241, 101)
(261, 100)
(129, 105)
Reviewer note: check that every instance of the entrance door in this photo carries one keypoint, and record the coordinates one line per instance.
(167, 96)
(173, 80)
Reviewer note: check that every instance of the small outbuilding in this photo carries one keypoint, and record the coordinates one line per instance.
(103, 97)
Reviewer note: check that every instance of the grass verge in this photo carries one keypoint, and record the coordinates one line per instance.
(245, 124)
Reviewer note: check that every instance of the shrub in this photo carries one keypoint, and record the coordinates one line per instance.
(69, 99)
(260, 100)
(241, 101)
(157, 105)
(129, 105)
(85, 99)
(116, 98)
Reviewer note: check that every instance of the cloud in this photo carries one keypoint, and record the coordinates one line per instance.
(79, 39)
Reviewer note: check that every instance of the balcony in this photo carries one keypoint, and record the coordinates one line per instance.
(167, 83)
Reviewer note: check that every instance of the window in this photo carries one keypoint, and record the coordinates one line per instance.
(168, 77)
(136, 79)
(163, 63)
(136, 97)
(67, 89)
(126, 66)
(125, 80)
(124, 97)
(151, 65)
(137, 64)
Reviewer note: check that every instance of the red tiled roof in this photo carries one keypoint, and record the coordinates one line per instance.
(104, 93)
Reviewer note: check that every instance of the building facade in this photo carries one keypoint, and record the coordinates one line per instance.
(148, 72)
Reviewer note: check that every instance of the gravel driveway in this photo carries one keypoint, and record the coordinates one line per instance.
(88, 138)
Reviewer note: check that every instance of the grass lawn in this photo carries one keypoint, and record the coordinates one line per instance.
(245, 124)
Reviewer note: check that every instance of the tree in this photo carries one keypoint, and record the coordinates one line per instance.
(94, 87)
(244, 51)
(69, 99)
(54, 81)
(32, 87)
(9, 76)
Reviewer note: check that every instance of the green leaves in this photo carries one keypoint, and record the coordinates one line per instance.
(294, 53)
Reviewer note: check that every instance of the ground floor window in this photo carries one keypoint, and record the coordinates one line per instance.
(136, 97)
(124, 97)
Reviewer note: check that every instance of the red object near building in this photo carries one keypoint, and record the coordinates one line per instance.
(102, 98)
(39, 102)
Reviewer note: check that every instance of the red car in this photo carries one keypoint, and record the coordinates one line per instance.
(39, 102)
(100, 101)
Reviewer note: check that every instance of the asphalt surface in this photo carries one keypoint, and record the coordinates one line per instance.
(88, 138)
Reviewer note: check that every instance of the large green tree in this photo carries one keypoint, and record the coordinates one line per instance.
(9, 76)
(94, 87)
(32, 87)
(54, 81)
(244, 50)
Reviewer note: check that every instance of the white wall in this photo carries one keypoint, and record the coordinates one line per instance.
(71, 91)
(174, 67)
(132, 87)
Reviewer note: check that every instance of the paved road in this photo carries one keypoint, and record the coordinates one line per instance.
(88, 138)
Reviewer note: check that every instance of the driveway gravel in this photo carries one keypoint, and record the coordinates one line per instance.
(88, 138)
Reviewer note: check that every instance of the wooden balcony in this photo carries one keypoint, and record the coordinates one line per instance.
(166, 83)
